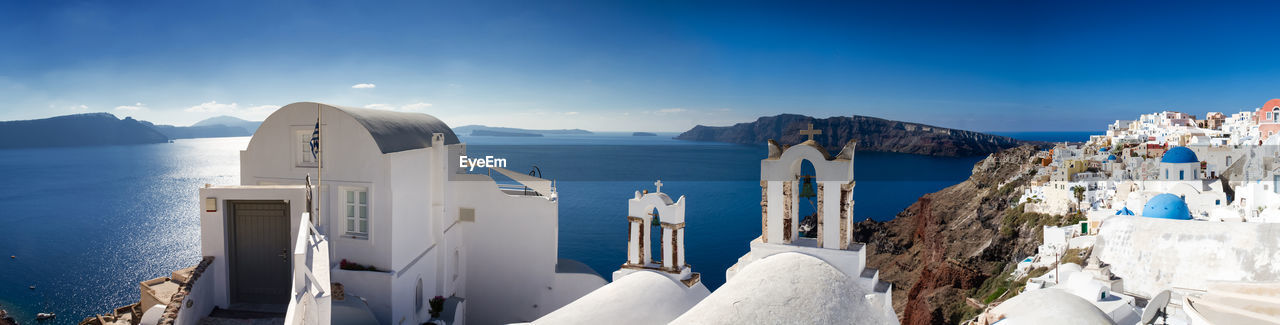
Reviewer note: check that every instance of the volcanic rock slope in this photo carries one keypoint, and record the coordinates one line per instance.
(939, 250)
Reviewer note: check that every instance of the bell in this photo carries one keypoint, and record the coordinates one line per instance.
(806, 189)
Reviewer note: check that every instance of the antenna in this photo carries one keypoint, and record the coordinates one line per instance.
(1156, 308)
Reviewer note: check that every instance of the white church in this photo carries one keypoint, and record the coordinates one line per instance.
(359, 216)
(786, 277)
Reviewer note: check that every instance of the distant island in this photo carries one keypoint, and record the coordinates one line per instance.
(644, 134)
(491, 133)
(470, 129)
(204, 131)
(96, 129)
(230, 121)
(213, 127)
(872, 134)
(91, 129)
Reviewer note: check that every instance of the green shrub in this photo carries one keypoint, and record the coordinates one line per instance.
(1037, 272)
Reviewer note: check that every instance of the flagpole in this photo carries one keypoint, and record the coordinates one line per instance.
(319, 164)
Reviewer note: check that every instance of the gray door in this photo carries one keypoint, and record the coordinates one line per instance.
(259, 259)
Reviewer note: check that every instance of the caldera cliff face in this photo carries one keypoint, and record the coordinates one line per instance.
(872, 134)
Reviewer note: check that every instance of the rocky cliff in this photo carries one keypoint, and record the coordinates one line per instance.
(951, 248)
(77, 130)
(873, 134)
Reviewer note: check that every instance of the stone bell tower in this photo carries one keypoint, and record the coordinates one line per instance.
(780, 183)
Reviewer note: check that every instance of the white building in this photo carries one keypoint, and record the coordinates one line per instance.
(391, 222)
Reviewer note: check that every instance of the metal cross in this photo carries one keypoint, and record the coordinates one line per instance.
(658, 184)
(810, 132)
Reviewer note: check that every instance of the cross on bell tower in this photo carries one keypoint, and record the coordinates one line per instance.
(658, 186)
(810, 132)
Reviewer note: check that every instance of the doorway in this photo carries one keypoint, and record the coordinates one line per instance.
(258, 252)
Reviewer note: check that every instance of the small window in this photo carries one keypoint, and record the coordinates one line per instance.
(356, 211)
(303, 157)
(467, 214)
(1217, 202)
(1182, 174)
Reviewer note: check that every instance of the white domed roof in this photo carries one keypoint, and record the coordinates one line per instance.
(1050, 306)
(642, 297)
(786, 288)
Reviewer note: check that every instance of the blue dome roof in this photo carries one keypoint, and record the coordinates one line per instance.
(1179, 155)
(1166, 206)
(1111, 157)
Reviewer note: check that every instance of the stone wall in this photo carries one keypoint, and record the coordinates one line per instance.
(175, 303)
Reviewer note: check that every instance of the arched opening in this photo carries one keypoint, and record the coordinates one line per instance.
(808, 206)
(655, 238)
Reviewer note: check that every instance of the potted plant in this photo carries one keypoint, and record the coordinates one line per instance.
(437, 306)
(355, 266)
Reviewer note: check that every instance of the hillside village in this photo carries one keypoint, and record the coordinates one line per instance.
(1172, 219)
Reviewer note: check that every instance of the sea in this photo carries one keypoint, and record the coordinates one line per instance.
(80, 227)
(1051, 136)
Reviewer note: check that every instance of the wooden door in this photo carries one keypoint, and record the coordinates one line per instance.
(259, 257)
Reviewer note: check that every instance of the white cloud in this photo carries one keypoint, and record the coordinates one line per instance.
(415, 107)
(570, 113)
(723, 110)
(665, 111)
(262, 108)
(364, 86)
(213, 107)
(80, 108)
(252, 113)
(131, 108)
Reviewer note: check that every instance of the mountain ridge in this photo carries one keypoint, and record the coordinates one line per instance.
(88, 129)
(231, 121)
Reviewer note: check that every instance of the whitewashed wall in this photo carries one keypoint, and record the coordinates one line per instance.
(1158, 254)
(213, 236)
(511, 251)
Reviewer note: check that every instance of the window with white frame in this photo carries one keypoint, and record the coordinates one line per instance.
(355, 211)
(302, 148)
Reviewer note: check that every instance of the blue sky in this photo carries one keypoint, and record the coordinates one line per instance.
(643, 65)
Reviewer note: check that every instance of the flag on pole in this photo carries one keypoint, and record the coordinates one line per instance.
(315, 141)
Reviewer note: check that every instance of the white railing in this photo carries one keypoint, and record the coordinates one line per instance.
(309, 301)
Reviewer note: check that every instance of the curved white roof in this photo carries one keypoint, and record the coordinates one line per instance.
(642, 297)
(391, 131)
(786, 288)
(1050, 306)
